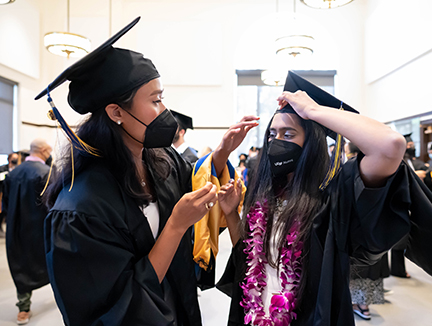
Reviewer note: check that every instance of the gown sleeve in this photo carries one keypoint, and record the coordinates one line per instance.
(111, 284)
(383, 216)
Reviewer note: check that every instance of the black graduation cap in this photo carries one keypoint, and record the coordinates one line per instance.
(184, 121)
(104, 74)
(408, 137)
(99, 78)
(294, 83)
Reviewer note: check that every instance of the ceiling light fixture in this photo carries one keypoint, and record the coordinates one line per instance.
(326, 4)
(67, 44)
(297, 42)
(5, 2)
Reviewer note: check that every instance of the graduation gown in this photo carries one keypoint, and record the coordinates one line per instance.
(25, 216)
(97, 245)
(354, 221)
(190, 155)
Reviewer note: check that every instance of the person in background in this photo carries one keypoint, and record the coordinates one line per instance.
(429, 163)
(428, 178)
(251, 163)
(12, 162)
(4, 170)
(410, 158)
(204, 151)
(331, 149)
(25, 216)
(351, 150)
(240, 169)
(179, 143)
(243, 157)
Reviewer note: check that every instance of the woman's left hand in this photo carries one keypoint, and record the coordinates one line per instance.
(300, 102)
(229, 196)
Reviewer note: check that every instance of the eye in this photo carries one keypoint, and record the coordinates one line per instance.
(272, 135)
(288, 135)
(158, 101)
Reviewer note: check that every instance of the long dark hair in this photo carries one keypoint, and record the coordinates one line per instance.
(100, 132)
(302, 192)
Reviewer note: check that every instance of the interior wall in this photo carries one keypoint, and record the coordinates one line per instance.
(20, 58)
(398, 56)
(197, 46)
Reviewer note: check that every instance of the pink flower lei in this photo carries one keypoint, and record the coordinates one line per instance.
(283, 304)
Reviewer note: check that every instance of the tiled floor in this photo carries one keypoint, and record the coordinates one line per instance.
(410, 304)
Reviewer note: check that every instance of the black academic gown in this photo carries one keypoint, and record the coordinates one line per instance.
(25, 216)
(354, 221)
(190, 155)
(97, 244)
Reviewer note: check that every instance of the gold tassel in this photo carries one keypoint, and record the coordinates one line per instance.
(48, 179)
(335, 162)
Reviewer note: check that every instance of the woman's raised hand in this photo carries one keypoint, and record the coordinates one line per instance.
(193, 206)
(300, 102)
(229, 196)
(237, 132)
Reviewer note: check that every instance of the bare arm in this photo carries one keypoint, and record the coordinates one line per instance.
(383, 147)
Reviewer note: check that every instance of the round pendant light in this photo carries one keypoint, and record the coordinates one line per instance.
(294, 45)
(273, 77)
(326, 4)
(67, 44)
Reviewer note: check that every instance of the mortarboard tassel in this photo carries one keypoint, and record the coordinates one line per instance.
(77, 142)
(73, 138)
(335, 163)
(48, 179)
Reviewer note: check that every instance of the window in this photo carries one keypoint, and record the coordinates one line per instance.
(8, 91)
(254, 97)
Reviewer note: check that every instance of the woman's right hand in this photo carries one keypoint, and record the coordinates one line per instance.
(193, 206)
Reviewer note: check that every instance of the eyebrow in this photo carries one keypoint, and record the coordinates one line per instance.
(284, 128)
(158, 91)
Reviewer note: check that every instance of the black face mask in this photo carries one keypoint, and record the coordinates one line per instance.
(410, 151)
(283, 156)
(14, 162)
(48, 161)
(160, 132)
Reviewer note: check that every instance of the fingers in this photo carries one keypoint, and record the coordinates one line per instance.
(244, 124)
(209, 199)
(225, 191)
(202, 191)
(249, 118)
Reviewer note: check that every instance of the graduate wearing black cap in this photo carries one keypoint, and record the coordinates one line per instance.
(179, 143)
(118, 235)
(305, 217)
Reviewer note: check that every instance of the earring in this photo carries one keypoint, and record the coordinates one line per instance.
(119, 122)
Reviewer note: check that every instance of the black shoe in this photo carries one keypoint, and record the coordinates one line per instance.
(361, 312)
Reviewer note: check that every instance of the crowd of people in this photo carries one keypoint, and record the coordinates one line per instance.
(114, 227)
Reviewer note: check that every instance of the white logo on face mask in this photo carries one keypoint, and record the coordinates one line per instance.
(283, 162)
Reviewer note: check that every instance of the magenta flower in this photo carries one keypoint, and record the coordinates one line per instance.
(283, 304)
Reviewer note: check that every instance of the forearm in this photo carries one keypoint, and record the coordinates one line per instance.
(164, 249)
(220, 158)
(233, 222)
(371, 136)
